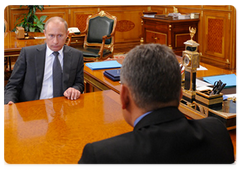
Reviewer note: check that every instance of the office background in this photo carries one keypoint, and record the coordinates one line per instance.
(217, 28)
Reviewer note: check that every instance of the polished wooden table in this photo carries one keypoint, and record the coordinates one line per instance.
(56, 130)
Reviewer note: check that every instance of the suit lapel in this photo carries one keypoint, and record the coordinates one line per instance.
(67, 59)
(39, 66)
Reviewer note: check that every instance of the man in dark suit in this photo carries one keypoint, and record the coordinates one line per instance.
(150, 95)
(32, 77)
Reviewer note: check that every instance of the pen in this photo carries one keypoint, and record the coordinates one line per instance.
(220, 89)
(217, 85)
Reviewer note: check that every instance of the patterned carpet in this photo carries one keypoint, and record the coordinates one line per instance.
(117, 56)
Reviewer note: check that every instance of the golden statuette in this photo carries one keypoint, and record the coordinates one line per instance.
(175, 10)
(192, 32)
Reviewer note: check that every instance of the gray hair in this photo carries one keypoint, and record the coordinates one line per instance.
(153, 75)
(54, 19)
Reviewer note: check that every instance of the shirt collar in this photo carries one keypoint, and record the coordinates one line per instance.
(49, 51)
(140, 117)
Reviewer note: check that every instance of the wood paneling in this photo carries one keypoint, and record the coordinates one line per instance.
(128, 34)
(218, 7)
(78, 17)
(216, 32)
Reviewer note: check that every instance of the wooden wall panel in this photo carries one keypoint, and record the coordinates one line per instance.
(219, 46)
(129, 24)
(185, 5)
(119, 5)
(16, 12)
(14, 15)
(129, 31)
(83, 5)
(216, 34)
(218, 7)
(160, 10)
(79, 17)
(49, 13)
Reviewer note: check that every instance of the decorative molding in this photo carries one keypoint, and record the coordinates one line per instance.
(124, 25)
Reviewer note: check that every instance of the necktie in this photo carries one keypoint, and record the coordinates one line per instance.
(57, 76)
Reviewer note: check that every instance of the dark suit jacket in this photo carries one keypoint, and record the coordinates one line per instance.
(165, 136)
(26, 80)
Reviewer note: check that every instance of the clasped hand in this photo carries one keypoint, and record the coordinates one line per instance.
(72, 94)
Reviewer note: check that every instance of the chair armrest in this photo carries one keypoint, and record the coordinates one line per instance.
(107, 36)
(69, 39)
(103, 43)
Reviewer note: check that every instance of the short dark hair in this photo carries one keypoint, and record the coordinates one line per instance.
(152, 72)
(56, 19)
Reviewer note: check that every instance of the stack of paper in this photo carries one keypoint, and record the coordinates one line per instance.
(103, 65)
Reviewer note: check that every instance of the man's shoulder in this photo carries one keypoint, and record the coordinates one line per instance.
(210, 120)
(35, 47)
(212, 124)
(29, 51)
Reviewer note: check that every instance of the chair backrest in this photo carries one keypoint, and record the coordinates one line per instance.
(4, 25)
(99, 25)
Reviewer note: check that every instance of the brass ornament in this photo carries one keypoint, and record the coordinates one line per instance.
(175, 10)
(192, 32)
(102, 13)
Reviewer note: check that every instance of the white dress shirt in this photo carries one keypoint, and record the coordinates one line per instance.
(47, 86)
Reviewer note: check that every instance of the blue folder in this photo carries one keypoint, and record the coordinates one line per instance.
(229, 79)
(103, 65)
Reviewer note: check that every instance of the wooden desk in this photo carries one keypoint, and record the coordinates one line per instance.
(13, 46)
(56, 130)
(172, 33)
(97, 80)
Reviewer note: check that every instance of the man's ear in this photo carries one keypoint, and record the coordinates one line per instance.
(181, 94)
(44, 32)
(124, 96)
